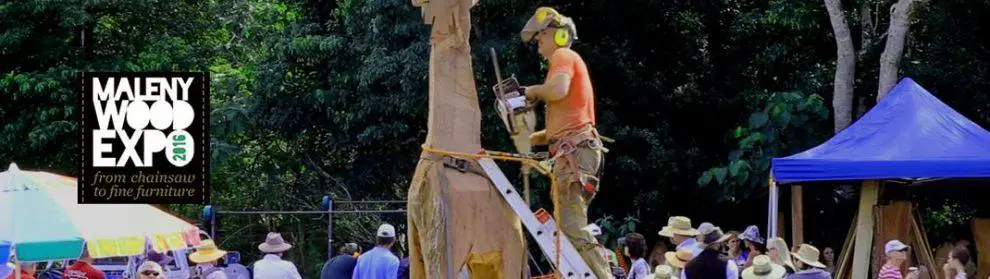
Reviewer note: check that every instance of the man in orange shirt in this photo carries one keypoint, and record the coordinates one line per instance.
(570, 128)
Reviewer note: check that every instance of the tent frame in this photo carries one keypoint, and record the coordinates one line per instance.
(864, 229)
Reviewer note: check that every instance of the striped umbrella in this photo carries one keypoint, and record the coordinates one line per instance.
(41, 219)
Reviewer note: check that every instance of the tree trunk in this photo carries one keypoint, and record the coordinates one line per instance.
(845, 66)
(891, 57)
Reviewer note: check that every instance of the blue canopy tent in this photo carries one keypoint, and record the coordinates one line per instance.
(909, 135)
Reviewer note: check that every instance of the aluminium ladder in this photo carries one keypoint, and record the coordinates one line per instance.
(540, 225)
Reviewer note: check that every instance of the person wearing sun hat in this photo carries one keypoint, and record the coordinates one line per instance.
(662, 272)
(807, 265)
(206, 258)
(678, 259)
(272, 265)
(681, 234)
(763, 268)
(754, 242)
(711, 263)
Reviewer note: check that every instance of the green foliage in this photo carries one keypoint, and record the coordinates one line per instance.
(790, 122)
(614, 229)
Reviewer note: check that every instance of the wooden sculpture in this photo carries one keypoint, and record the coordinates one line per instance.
(457, 222)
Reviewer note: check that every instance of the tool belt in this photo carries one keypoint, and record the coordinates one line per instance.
(564, 147)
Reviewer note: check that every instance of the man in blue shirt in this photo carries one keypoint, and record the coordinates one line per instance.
(680, 232)
(379, 263)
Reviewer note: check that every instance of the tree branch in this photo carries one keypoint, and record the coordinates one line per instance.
(845, 66)
(312, 164)
(891, 57)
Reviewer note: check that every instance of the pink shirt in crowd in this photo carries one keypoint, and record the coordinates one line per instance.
(890, 272)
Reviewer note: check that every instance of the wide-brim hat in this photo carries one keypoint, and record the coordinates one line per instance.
(680, 258)
(6, 269)
(714, 236)
(678, 225)
(207, 252)
(809, 255)
(274, 244)
(661, 272)
(752, 233)
(763, 268)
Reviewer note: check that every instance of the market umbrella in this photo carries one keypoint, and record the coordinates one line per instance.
(40, 217)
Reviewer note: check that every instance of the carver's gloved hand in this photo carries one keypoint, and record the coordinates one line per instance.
(539, 138)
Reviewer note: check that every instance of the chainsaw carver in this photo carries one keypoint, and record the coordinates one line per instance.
(575, 146)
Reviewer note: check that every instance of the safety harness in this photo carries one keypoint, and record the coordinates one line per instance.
(564, 148)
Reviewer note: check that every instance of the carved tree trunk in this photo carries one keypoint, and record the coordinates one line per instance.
(455, 216)
(845, 66)
(891, 57)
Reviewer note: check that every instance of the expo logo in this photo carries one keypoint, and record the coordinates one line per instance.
(169, 108)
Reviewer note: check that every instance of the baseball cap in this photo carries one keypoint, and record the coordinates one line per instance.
(386, 230)
(894, 245)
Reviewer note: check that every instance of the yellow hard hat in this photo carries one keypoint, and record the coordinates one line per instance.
(543, 18)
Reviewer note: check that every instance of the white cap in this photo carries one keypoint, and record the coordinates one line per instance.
(386, 230)
(593, 229)
(894, 245)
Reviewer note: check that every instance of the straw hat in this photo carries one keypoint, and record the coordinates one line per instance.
(680, 258)
(662, 272)
(274, 244)
(678, 225)
(763, 268)
(809, 255)
(207, 252)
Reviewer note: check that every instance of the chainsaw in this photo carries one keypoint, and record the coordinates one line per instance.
(510, 102)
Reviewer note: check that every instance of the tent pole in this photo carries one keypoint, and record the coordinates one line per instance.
(864, 229)
(797, 215)
(772, 209)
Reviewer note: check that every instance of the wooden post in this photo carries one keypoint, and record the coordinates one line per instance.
(797, 216)
(781, 227)
(864, 229)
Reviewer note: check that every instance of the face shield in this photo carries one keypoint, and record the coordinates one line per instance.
(539, 21)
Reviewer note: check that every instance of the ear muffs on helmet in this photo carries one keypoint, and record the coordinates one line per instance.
(563, 36)
(548, 17)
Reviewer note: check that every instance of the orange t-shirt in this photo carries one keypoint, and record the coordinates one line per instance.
(577, 109)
